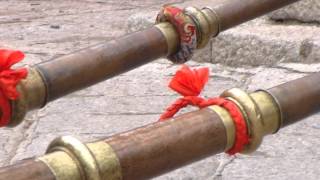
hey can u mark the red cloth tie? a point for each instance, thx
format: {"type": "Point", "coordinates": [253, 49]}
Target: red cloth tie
{"type": "Point", "coordinates": [189, 83]}
{"type": "Point", "coordinates": [185, 27]}
{"type": "Point", "coordinates": [9, 78]}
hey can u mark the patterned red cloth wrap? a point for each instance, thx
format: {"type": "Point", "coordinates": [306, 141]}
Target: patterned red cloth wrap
{"type": "Point", "coordinates": [186, 29]}
{"type": "Point", "coordinates": [189, 83]}
{"type": "Point", "coordinates": [9, 78]}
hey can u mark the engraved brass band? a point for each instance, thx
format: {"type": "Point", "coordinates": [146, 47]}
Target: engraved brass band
{"type": "Point", "coordinates": [261, 113]}
{"type": "Point", "coordinates": [32, 95]}
{"type": "Point", "coordinates": [207, 24]}
{"type": "Point", "coordinates": [253, 114]}
{"type": "Point", "coordinates": [269, 109]}
{"type": "Point", "coordinates": [228, 124]}
{"type": "Point", "coordinates": [69, 159]}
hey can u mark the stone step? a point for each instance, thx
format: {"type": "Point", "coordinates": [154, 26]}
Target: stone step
{"type": "Point", "coordinates": [258, 42]}
{"type": "Point", "coordinates": [305, 11]}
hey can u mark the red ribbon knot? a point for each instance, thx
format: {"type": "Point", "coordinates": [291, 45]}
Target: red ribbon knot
{"type": "Point", "coordinates": [189, 83]}
{"type": "Point", "coordinates": [9, 79]}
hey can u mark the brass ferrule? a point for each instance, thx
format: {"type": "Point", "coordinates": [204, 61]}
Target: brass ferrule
{"type": "Point", "coordinates": [228, 124]}
{"type": "Point", "coordinates": [261, 112]}
{"type": "Point", "coordinates": [70, 159]}
{"type": "Point", "coordinates": [171, 35]}
{"type": "Point", "coordinates": [207, 24]}
{"type": "Point", "coordinates": [32, 93]}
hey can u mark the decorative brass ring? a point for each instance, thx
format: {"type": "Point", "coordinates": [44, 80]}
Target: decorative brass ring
{"type": "Point", "coordinates": [19, 108]}
{"type": "Point", "coordinates": [276, 102]}
{"type": "Point", "coordinates": [203, 24]}
{"type": "Point", "coordinates": [80, 152]}
{"type": "Point", "coordinates": [228, 124]}
{"type": "Point", "coordinates": [244, 114]}
{"type": "Point", "coordinates": [32, 94]}
{"type": "Point", "coordinates": [213, 19]}
{"type": "Point", "coordinates": [171, 36]}
{"type": "Point", "coordinates": [254, 117]}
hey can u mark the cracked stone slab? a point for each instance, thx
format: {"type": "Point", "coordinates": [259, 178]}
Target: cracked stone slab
{"type": "Point", "coordinates": [305, 11]}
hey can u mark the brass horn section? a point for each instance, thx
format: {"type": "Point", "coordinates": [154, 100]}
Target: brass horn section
{"type": "Point", "coordinates": [69, 159]}
{"type": "Point", "coordinates": [261, 112]}
{"type": "Point", "coordinates": [46, 82]}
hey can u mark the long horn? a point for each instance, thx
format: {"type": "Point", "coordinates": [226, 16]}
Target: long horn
{"type": "Point", "coordinates": [161, 147]}
{"type": "Point", "coordinates": [53, 79]}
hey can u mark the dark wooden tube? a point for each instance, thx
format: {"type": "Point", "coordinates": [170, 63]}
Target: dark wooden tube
{"type": "Point", "coordinates": [94, 64]}
{"type": "Point", "coordinates": [161, 147]}
{"type": "Point", "coordinates": [233, 13]}
{"type": "Point", "coordinates": [147, 151]}
{"type": "Point", "coordinates": [298, 99]}
{"type": "Point", "coordinates": [27, 170]}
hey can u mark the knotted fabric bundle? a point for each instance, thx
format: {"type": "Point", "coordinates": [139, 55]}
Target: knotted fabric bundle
{"type": "Point", "coordinates": [9, 78]}
{"type": "Point", "coordinates": [189, 83]}
{"type": "Point", "coordinates": [186, 29]}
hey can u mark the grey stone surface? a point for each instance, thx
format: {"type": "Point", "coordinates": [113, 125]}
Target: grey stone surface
{"type": "Point", "coordinates": [138, 97]}
{"type": "Point", "coordinates": [305, 11]}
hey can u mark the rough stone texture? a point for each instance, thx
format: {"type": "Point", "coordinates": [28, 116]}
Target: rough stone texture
{"type": "Point", "coordinates": [305, 11]}
{"type": "Point", "coordinates": [259, 42]}
{"type": "Point", "coordinates": [46, 29]}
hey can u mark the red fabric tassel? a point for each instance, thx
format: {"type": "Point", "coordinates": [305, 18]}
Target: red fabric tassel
{"type": "Point", "coordinates": [9, 78]}
{"type": "Point", "coordinates": [189, 83]}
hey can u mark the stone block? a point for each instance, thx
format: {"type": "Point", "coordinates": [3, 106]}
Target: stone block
{"type": "Point", "coordinates": [305, 11]}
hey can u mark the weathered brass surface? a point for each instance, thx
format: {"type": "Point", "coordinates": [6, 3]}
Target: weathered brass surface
{"type": "Point", "coordinates": [62, 166]}
{"type": "Point", "coordinates": [244, 114]}
{"type": "Point", "coordinates": [69, 159]}
{"type": "Point", "coordinates": [171, 35]}
{"type": "Point", "coordinates": [261, 111]}
{"type": "Point", "coordinates": [229, 125]}
{"type": "Point", "coordinates": [254, 117]}
{"type": "Point", "coordinates": [107, 160]}
{"type": "Point", "coordinates": [213, 19]}
{"type": "Point", "coordinates": [82, 156]}
{"type": "Point", "coordinates": [202, 24]}
{"type": "Point", "coordinates": [207, 24]}
{"type": "Point", "coordinates": [269, 110]}
{"type": "Point", "coordinates": [32, 95]}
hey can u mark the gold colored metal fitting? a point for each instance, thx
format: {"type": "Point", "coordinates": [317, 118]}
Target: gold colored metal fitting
{"type": "Point", "coordinates": [205, 24]}
{"type": "Point", "coordinates": [94, 161]}
{"type": "Point", "coordinates": [254, 117]}
{"type": "Point", "coordinates": [243, 112]}
{"type": "Point", "coordinates": [32, 95]}
{"type": "Point", "coordinates": [263, 114]}
{"type": "Point", "coordinates": [228, 124]}
{"type": "Point", "coordinates": [269, 109]}
{"type": "Point", "coordinates": [213, 19]}
{"type": "Point", "coordinates": [171, 35]}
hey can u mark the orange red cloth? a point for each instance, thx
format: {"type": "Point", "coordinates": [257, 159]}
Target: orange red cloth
{"type": "Point", "coordinates": [9, 79]}
{"type": "Point", "coordinates": [189, 83]}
